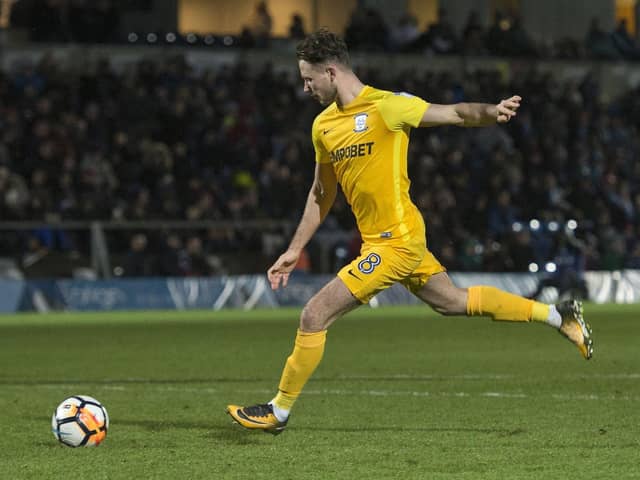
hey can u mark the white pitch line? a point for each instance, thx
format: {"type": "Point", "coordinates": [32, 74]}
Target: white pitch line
{"type": "Point", "coordinates": [335, 392]}
{"type": "Point", "coordinates": [437, 394]}
{"type": "Point", "coordinates": [479, 376]}
{"type": "Point", "coordinates": [373, 378]}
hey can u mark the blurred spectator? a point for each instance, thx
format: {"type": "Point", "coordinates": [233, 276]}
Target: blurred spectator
{"type": "Point", "coordinates": [220, 240]}
{"type": "Point", "coordinates": [521, 250]}
{"type": "Point", "coordinates": [196, 263]}
{"type": "Point", "coordinates": [404, 33]}
{"type": "Point", "coordinates": [566, 272]}
{"type": "Point", "coordinates": [171, 257]}
{"type": "Point", "coordinates": [441, 37]}
{"type": "Point", "coordinates": [20, 14]}
{"type": "Point", "coordinates": [519, 43]}
{"type": "Point", "coordinates": [623, 41]}
{"type": "Point", "coordinates": [497, 38]}
{"type": "Point", "coordinates": [296, 27]}
{"type": "Point", "coordinates": [366, 30]}
{"type": "Point", "coordinates": [613, 251]}
{"type": "Point", "coordinates": [471, 257]}
{"type": "Point", "coordinates": [507, 36]}
{"type": "Point", "coordinates": [260, 25]}
{"type": "Point", "coordinates": [41, 201]}
{"type": "Point", "coordinates": [14, 195]}
{"type": "Point", "coordinates": [501, 215]}
{"type": "Point", "coordinates": [473, 35]}
{"type": "Point", "coordinates": [599, 44]}
{"type": "Point", "coordinates": [139, 261]}
{"type": "Point", "coordinates": [34, 251]}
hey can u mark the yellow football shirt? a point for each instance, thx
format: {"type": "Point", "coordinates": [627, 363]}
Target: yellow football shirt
{"type": "Point", "coordinates": [366, 142]}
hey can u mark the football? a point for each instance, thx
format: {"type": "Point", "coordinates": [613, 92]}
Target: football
{"type": "Point", "coordinates": [80, 421]}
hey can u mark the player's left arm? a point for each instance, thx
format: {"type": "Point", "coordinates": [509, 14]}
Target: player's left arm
{"type": "Point", "coordinates": [471, 114]}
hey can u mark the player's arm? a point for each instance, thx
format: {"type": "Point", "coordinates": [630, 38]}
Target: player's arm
{"type": "Point", "coordinates": [319, 201]}
{"type": "Point", "coordinates": [471, 114]}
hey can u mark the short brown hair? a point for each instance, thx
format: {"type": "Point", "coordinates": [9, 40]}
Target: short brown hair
{"type": "Point", "coordinates": [323, 46]}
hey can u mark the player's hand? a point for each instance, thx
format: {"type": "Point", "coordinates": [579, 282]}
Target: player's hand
{"type": "Point", "coordinates": [279, 271]}
{"type": "Point", "coordinates": [507, 108]}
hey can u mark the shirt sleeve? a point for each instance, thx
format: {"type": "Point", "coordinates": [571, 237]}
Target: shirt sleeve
{"type": "Point", "coordinates": [322, 156]}
{"type": "Point", "coordinates": [401, 110]}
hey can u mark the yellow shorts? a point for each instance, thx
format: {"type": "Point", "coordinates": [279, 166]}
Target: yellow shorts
{"type": "Point", "coordinates": [381, 265]}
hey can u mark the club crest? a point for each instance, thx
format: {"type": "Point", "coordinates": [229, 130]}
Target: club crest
{"type": "Point", "coordinates": [360, 122]}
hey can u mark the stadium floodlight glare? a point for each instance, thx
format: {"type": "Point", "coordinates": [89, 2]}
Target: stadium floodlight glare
{"type": "Point", "coordinates": [572, 224]}
{"type": "Point", "coordinates": [516, 226]}
{"type": "Point", "coordinates": [553, 226]}
{"type": "Point", "coordinates": [132, 37]}
{"type": "Point", "coordinates": [533, 267]}
{"type": "Point", "coordinates": [170, 37]}
{"type": "Point", "coordinates": [550, 267]}
{"type": "Point", "coordinates": [534, 224]}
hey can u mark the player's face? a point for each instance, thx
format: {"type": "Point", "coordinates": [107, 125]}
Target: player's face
{"type": "Point", "coordinates": [318, 81]}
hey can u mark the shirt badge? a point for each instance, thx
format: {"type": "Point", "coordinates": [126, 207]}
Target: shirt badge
{"type": "Point", "coordinates": [360, 122]}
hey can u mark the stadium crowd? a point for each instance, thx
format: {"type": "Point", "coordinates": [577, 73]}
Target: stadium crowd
{"type": "Point", "coordinates": [162, 140]}
{"type": "Point", "coordinates": [82, 21]}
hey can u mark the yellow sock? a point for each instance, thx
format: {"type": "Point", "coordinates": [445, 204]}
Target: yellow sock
{"type": "Point", "coordinates": [501, 305]}
{"type": "Point", "coordinates": [540, 312]}
{"type": "Point", "coordinates": [302, 362]}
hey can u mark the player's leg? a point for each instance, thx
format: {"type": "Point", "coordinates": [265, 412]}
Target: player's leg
{"type": "Point", "coordinates": [378, 267]}
{"type": "Point", "coordinates": [432, 285]}
{"type": "Point", "coordinates": [446, 298]}
{"type": "Point", "coordinates": [331, 302]}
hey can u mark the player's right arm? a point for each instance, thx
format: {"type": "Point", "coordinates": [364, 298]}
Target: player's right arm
{"type": "Point", "coordinates": [471, 114]}
{"type": "Point", "coordinates": [319, 201]}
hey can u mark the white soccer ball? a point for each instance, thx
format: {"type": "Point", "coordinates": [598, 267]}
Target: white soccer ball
{"type": "Point", "coordinates": [80, 421]}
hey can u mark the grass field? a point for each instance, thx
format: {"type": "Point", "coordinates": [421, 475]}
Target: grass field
{"type": "Point", "coordinates": [402, 393]}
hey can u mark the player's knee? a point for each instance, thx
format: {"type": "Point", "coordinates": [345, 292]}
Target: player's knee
{"type": "Point", "coordinates": [312, 320]}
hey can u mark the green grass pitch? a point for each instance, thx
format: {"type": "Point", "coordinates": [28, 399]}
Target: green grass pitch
{"type": "Point", "coordinates": [402, 393]}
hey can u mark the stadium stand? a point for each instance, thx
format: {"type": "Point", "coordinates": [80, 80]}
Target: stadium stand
{"type": "Point", "coordinates": [163, 139]}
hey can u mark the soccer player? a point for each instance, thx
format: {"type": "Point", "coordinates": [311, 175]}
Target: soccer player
{"type": "Point", "coordinates": [361, 141]}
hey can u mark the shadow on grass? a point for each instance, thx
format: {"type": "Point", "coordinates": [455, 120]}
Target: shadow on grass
{"type": "Point", "coordinates": [235, 431]}
{"type": "Point", "coordinates": [228, 432]}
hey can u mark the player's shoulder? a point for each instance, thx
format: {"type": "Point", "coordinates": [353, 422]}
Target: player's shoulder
{"type": "Point", "coordinates": [396, 94]}
{"type": "Point", "coordinates": [390, 99]}
{"type": "Point", "coordinates": [376, 94]}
